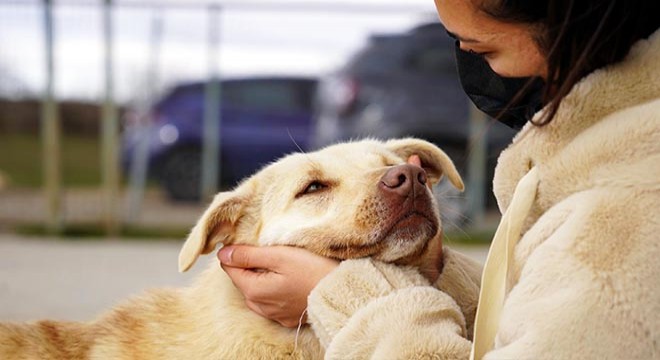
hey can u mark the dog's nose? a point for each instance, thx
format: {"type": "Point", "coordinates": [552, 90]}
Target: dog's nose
{"type": "Point", "coordinates": [402, 179]}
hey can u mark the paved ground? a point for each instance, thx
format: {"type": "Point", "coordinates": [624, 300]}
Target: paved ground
{"type": "Point", "coordinates": [75, 280]}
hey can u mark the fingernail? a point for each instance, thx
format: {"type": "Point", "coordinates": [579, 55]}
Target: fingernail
{"type": "Point", "coordinates": [225, 254]}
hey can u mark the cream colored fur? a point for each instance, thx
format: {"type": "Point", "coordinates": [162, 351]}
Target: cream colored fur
{"type": "Point", "coordinates": [585, 275]}
{"type": "Point", "coordinates": [209, 320]}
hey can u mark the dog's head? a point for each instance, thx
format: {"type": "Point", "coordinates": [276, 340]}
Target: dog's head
{"type": "Point", "coordinates": [350, 200]}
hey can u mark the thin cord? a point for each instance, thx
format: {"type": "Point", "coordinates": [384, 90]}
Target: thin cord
{"type": "Point", "coordinates": [300, 324]}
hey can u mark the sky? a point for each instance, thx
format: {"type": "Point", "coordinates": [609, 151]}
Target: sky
{"type": "Point", "coordinates": [310, 37]}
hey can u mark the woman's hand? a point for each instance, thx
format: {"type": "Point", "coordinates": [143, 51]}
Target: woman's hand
{"type": "Point", "coordinates": [275, 280]}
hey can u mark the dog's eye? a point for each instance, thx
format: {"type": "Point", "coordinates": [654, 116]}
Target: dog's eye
{"type": "Point", "coordinates": [313, 187]}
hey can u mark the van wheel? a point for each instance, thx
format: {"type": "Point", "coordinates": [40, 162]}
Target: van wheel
{"type": "Point", "coordinates": [181, 174]}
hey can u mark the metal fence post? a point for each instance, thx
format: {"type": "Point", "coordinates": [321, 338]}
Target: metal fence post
{"type": "Point", "coordinates": [140, 158]}
{"type": "Point", "coordinates": [51, 132]}
{"type": "Point", "coordinates": [210, 162]}
{"type": "Point", "coordinates": [476, 195]}
{"type": "Point", "coordinates": [109, 132]}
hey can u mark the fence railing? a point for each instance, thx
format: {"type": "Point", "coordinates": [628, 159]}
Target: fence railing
{"type": "Point", "coordinates": [50, 123]}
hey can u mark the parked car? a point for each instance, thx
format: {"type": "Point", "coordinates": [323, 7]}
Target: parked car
{"type": "Point", "coordinates": [262, 119]}
{"type": "Point", "coordinates": [402, 85]}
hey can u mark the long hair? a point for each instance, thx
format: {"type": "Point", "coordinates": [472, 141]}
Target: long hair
{"type": "Point", "coordinates": [576, 36]}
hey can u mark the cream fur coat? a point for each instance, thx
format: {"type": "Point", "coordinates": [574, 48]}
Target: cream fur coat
{"type": "Point", "coordinates": [585, 276]}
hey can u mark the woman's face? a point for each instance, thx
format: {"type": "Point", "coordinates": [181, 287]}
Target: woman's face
{"type": "Point", "coordinates": [508, 48]}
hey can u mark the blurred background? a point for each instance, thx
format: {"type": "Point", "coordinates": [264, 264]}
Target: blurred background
{"type": "Point", "coordinates": [120, 119]}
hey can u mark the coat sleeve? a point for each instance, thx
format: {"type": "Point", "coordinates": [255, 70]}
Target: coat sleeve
{"type": "Point", "coordinates": [583, 289]}
{"type": "Point", "coordinates": [368, 309]}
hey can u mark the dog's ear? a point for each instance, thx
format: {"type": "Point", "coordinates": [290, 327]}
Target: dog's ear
{"type": "Point", "coordinates": [217, 225]}
{"type": "Point", "coordinates": [434, 161]}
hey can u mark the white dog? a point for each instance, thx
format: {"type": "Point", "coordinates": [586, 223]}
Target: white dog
{"type": "Point", "coordinates": [346, 201]}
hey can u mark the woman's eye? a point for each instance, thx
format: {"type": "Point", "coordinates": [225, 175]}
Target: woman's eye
{"type": "Point", "coordinates": [313, 187]}
{"type": "Point", "coordinates": [482, 54]}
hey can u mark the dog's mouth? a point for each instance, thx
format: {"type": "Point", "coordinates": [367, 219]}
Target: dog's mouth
{"type": "Point", "coordinates": [408, 234]}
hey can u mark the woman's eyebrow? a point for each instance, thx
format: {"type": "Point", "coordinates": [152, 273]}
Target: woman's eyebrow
{"type": "Point", "coordinates": [461, 39]}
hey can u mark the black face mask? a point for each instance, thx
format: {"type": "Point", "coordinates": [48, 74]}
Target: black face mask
{"type": "Point", "coordinates": [492, 93]}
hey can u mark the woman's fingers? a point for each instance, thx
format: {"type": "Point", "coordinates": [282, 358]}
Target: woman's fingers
{"type": "Point", "coordinates": [251, 283]}
{"type": "Point", "coordinates": [247, 257]}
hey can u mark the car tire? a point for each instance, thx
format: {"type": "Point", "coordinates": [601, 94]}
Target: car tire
{"type": "Point", "coordinates": [180, 174]}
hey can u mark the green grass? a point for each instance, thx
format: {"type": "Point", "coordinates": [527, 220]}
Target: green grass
{"type": "Point", "coordinates": [469, 237]}
{"type": "Point", "coordinates": [94, 231]}
{"type": "Point", "coordinates": [21, 160]}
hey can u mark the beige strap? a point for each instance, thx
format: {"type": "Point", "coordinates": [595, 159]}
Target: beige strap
{"type": "Point", "coordinates": [493, 280]}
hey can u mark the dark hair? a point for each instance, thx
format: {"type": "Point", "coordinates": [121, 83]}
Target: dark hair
{"type": "Point", "coordinates": [577, 36]}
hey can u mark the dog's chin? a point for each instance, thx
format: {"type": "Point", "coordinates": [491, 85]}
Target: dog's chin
{"type": "Point", "coordinates": [407, 239]}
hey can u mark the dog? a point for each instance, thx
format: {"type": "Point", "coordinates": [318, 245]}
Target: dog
{"type": "Point", "coordinates": [366, 198]}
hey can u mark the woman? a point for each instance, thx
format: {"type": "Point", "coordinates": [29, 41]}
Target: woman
{"type": "Point", "coordinates": [572, 272]}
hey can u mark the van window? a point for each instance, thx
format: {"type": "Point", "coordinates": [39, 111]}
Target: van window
{"type": "Point", "coordinates": [264, 96]}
